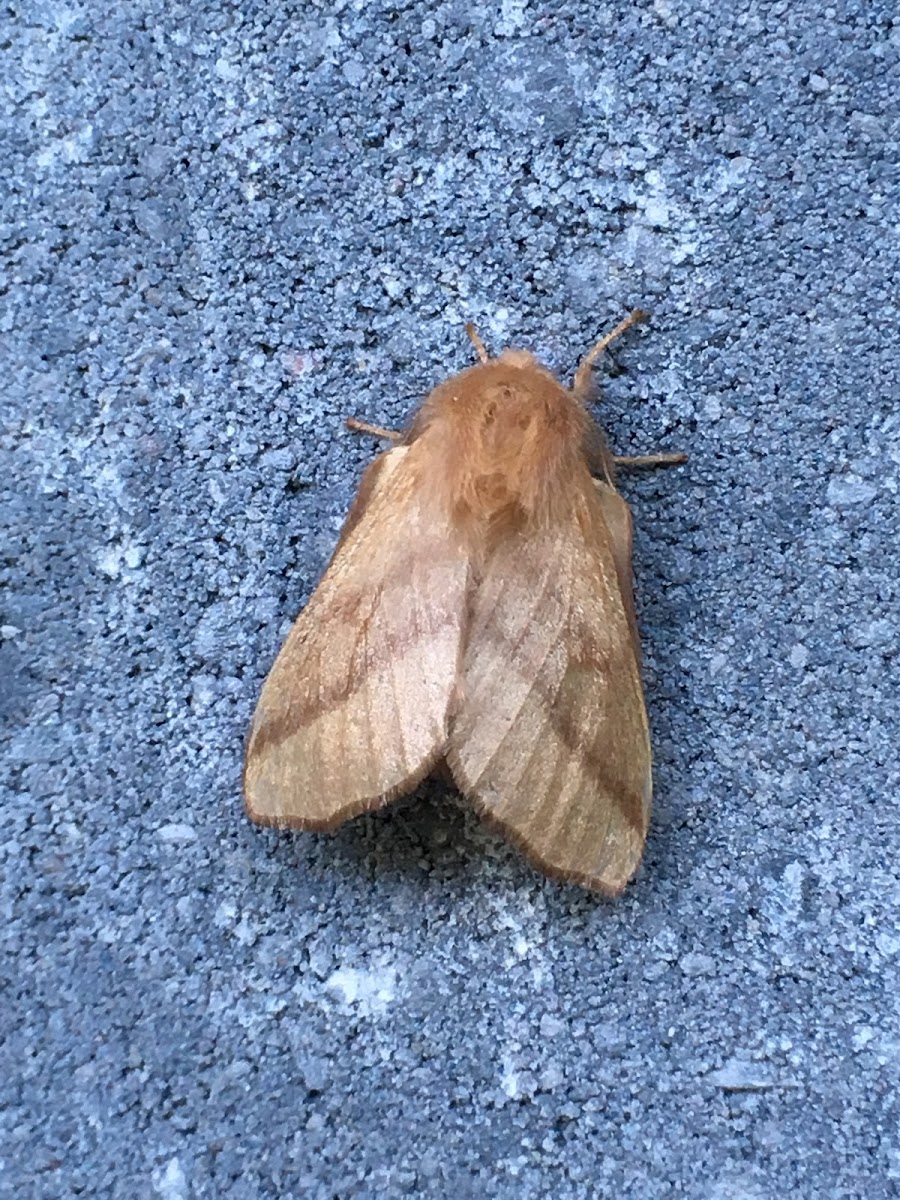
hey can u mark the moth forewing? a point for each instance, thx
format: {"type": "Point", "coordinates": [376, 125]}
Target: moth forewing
{"type": "Point", "coordinates": [354, 710]}
{"type": "Point", "coordinates": [552, 740]}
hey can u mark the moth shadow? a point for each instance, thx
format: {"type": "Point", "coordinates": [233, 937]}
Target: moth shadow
{"type": "Point", "coordinates": [433, 837]}
{"type": "Point", "coordinates": [430, 833]}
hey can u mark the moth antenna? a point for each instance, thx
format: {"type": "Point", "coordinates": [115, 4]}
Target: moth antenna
{"type": "Point", "coordinates": [374, 430]}
{"type": "Point", "coordinates": [650, 460]}
{"type": "Point", "coordinates": [477, 342]}
{"type": "Point", "coordinates": [581, 386]}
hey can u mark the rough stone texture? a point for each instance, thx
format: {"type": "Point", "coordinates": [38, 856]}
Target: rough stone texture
{"type": "Point", "coordinates": [225, 228]}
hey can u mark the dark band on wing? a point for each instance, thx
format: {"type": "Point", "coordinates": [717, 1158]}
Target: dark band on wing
{"type": "Point", "coordinates": [334, 689]}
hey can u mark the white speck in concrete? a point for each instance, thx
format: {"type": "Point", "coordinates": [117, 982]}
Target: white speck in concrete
{"type": "Point", "coordinates": [170, 1181]}
{"type": "Point", "coordinates": [846, 490]}
{"type": "Point", "coordinates": [369, 991]}
{"type": "Point", "coordinates": [176, 834]}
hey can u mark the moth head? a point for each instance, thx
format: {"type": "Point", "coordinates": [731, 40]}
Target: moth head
{"type": "Point", "coordinates": [522, 360]}
{"type": "Point", "coordinates": [518, 360]}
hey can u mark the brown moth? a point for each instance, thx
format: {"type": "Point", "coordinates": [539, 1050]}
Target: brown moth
{"type": "Point", "coordinates": [477, 612]}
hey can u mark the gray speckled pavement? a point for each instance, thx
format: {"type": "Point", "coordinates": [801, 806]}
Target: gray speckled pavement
{"type": "Point", "coordinates": [224, 229]}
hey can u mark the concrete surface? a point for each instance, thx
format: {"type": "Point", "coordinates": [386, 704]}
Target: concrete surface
{"type": "Point", "coordinates": [225, 228]}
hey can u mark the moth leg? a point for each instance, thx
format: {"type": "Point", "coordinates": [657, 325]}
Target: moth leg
{"type": "Point", "coordinates": [582, 384]}
{"type": "Point", "coordinates": [476, 341]}
{"type": "Point", "coordinates": [649, 460]}
{"type": "Point", "coordinates": [375, 430]}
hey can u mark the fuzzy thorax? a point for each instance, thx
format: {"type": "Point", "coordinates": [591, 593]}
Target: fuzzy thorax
{"type": "Point", "coordinates": [505, 443]}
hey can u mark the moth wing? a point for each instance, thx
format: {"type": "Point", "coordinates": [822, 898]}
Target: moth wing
{"type": "Point", "coordinates": [551, 741]}
{"type": "Point", "coordinates": [617, 518]}
{"type": "Point", "coordinates": [355, 708]}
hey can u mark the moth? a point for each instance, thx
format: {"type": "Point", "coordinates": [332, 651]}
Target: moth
{"type": "Point", "coordinates": [478, 614]}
